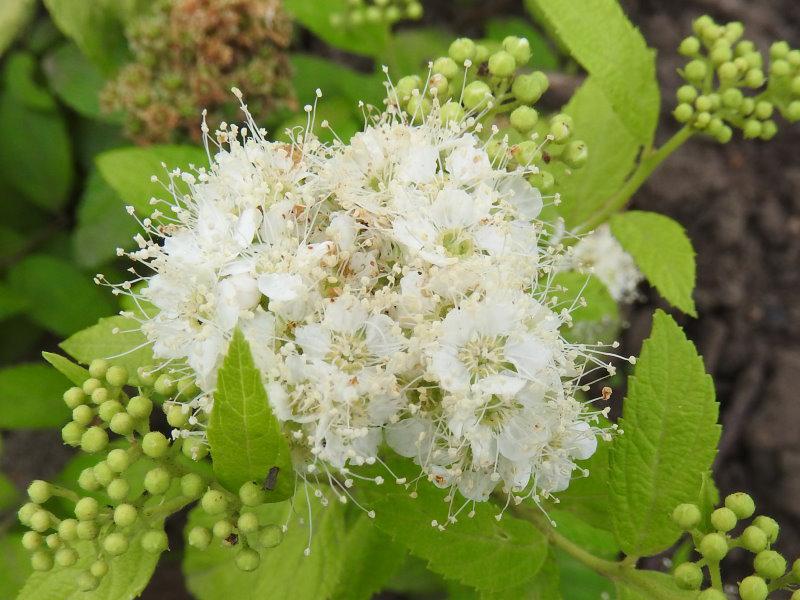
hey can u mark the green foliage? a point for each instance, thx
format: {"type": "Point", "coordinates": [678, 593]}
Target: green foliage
{"type": "Point", "coordinates": [118, 337]}
{"type": "Point", "coordinates": [662, 251]}
{"type": "Point", "coordinates": [336, 82]}
{"type": "Point", "coordinates": [245, 437]}
{"type": "Point", "coordinates": [670, 437]}
{"type": "Point", "coordinates": [284, 571]}
{"type": "Point", "coordinates": [588, 497]}
{"type": "Point", "coordinates": [598, 317]}
{"type": "Point", "coordinates": [652, 580]}
{"type": "Point", "coordinates": [129, 170]}
{"type": "Point", "coordinates": [75, 373]}
{"type": "Point", "coordinates": [58, 296]}
{"type": "Point", "coordinates": [74, 79]}
{"type": "Point", "coordinates": [14, 565]}
{"type": "Point", "coordinates": [411, 49]}
{"type": "Point", "coordinates": [30, 397]}
{"type": "Point", "coordinates": [14, 15]}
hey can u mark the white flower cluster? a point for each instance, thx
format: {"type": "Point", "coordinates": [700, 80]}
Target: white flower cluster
{"type": "Point", "coordinates": [602, 253]}
{"type": "Point", "coordinates": [395, 288]}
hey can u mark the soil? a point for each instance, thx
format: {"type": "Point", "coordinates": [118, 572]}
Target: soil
{"type": "Point", "coordinates": [740, 204]}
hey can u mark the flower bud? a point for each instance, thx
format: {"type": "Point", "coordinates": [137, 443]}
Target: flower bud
{"type": "Point", "coordinates": [418, 107]}
{"type": "Point", "coordinates": [461, 50]}
{"type": "Point", "coordinates": [795, 595]}
{"type": "Point", "coordinates": [32, 540]}
{"type": "Point", "coordinates": [247, 559]}
{"type": "Point", "coordinates": [39, 491]}
{"type": "Point", "coordinates": [476, 94]}
{"type": "Point", "coordinates": [103, 473]}
{"type": "Point", "coordinates": [728, 72]}
{"type": "Point", "coordinates": [529, 88]}
{"type": "Point", "coordinates": [753, 588]}
{"type": "Point", "coordinates": [83, 415]}
{"type": "Point", "coordinates": [41, 560]}
{"type": "Point", "coordinates": [451, 112]}
{"type": "Point", "coordinates": [711, 594]}
{"type": "Point", "coordinates": [87, 509]}
{"type": "Point", "coordinates": [780, 68]}
{"type": "Point", "coordinates": [71, 433]}
{"type": "Point", "coordinates": [683, 112]}
{"type": "Point", "coordinates": [154, 541]}
{"type": "Point", "coordinates": [86, 530]}
{"type": "Point", "coordinates": [406, 85]}
{"type": "Point", "coordinates": [689, 46]}
{"type": "Point", "coordinates": [156, 481]}
{"type": "Point", "coordinates": [723, 519]}
{"type": "Point", "coordinates": [87, 582]}
{"type": "Point", "coordinates": [98, 368]}
{"type": "Point", "coordinates": [108, 409]}
{"type": "Point", "coordinates": [769, 564]}
{"type": "Point", "coordinates": [194, 448]}
{"type": "Point", "coordinates": [214, 502]}
{"type": "Point", "coordinates": [40, 521]}
{"type": "Point", "coordinates": [177, 417]}
{"type": "Point", "coordinates": [222, 529]}
{"type": "Point", "coordinates": [502, 64]}
{"type": "Point", "coordinates": [53, 541]}
{"type": "Point", "coordinates": [99, 568]}
{"type": "Point", "coordinates": [146, 375]}
{"type": "Point", "coordinates": [251, 494]}
{"type": "Point", "coordinates": [576, 154]}
{"type": "Point", "coordinates": [66, 557]}
{"type": "Point", "coordinates": [87, 481]}
{"type": "Point", "coordinates": [165, 385]}
{"type": "Point", "coordinates": [754, 78]}
{"type": "Point", "coordinates": [115, 544]}
{"type": "Point", "coordinates": [90, 385]}
{"type": "Point", "coordinates": [793, 58]}
{"type": "Point", "coordinates": [94, 440]}
{"type": "Point", "coordinates": [794, 87]}
{"type": "Point", "coordinates": [686, 516]}
{"type": "Point", "coordinates": [687, 93]}
{"type": "Point", "coordinates": [74, 396]}
{"type": "Point", "coordinates": [125, 515]}
{"type": "Point", "coordinates": [122, 424]}
{"type": "Point", "coordinates": [769, 526]}
{"type": "Point", "coordinates": [199, 537]}
{"type": "Point", "coordinates": [100, 395]}
{"type": "Point", "coordinates": [140, 407]}
{"type": "Point", "coordinates": [713, 547]}
{"type": "Point", "coordinates": [695, 70]}
{"type": "Point", "coordinates": [561, 127]}
{"type": "Point", "coordinates": [438, 86]}
{"type": "Point", "coordinates": [155, 444]}
{"type": "Point", "coordinates": [523, 118]}
{"type": "Point", "coordinates": [270, 536]}
{"type": "Point", "coordinates": [793, 111]}
{"type": "Point", "coordinates": [446, 66]}
{"type": "Point", "coordinates": [752, 128]}
{"type": "Point", "coordinates": [118, 489]}
{"type": "Point", "coordinates": [753, 539]}
{"type": "Point", "coordinates": [703, 103]}
{"type": "Point", "coordinates": [688, 576]}
{"type": "Point", "coordinates": [778, 50]}
{"type": "Point", "coordinates": [768, 129]}
{"type": "Point", "coordinates": [481, 54]}
{"type": "Point", "coordinates": [519, 48]}
{"type": "Point", "coordinates": [118, 460]}
{"type": "Point", "coordinates": [192, 485]}
{"type": "Point", "coordinates": [247, 522]}
{"type": "Point", "coordinates": [732, 98]}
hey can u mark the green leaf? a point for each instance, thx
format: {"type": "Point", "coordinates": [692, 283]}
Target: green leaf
{"type": "Point", "coordinates": [41, 145]}
{"type": "Point", "coordinates": [9, 496]}
{"type": "Point", "coordinates": [128, 171]}
{"type": "Point", "coordinates": [75, 373]}
{"type": "Point", "coordinates": [30, 397]}
{"type": "Point", "coordinates": [244, 436]}
{"type": "Point", "coordinates": [481, 552]}
{"type": "Point", "coordinates": [75, 80]}
{"type": "Point", "coordinates": [599, 316]}
{"type": "Point", "coordinates": [127, 576]}
{"type": "Point", "coordinates": [19, 77]}
{"type": "Point", "coordinates": [542, 55]}
{"type": "Point", "coordinates": [14, 16]}
{"type": "Point", "coordinates": [59, 297]}
{"type": "Point", "coordinates": [103, 224]}
{"type": "Point", "coordinates": [652, 580]}
{"type": "Point", "coordinates": [670, 439]}
{"type": "Point", "coordinates": [412, 49]}
{"type": "Point", "coordinates": [335, 80]}
{"type": "Point", "coordinates": [371, 560]}
{"type": "Point", "coordinates": [368, 39]}
{"type": "Point", "coordinates": [602, 39]}
{"type": "Point", "coordinates": [662, 251]}
{"type": "Point", "coordinates": [284, 572]}
{"type": "Point", "coordinates": [96, 27]}
{"type": "Point", "coordinates": [117, 339]}
{"type": "Point", "coordinates": [15, 565]}
{"type": "Point", "coordinates": [579, 582]}
{"type": "Point", "coordinates": [11, 302]}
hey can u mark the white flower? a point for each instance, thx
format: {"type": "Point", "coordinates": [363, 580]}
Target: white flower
{"type": "Point", "coordinates": [602, 254]}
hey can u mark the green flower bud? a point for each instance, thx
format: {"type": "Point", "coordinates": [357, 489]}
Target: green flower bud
{"type": "Point", "coordinates": [418, 107]}
{"type": "Point", "coordinates": [98, 368]}
{"type": "Point", "coordinates": [251, 494]}
{"type": "Point", "coordinates": [502, 64]}
{"type": "Point", "coordinates": [476, 94]}
{"type": "Point", "coordinates": [795, 595]}
{"type": "Point", "coordinates": [68, 530]}
{"type": "Point", "coordinates": [687, 93]}
{"type": "Point", "coordinates": [701, 23]}
{"type": "Point", "coordinates": [752, 128]}
{"type": "Point", "coordinates": [177, 417]}
{"type": "Point", "coordinates": [523, 118]}
{"type": "Point", "coordinates": [769, 526]}
{"type": "Point", "coordinates": [723, 519]}
{"type": "Point", "coordinates": [481, 54]}
{"type": "Point", "coordinates": [26, 511]}
{"type": "Point", "coordinates": [683, 112]}
{"type": "Point", "coordinates": [727, 72]}
{"type": "Point", "coordinates": [720, 54]}
{"type": "Point", "coordinates": [711, 594]}
{"type": "Point", "coordinates": [118, 460]}
{"type": "Point", "coordinates": [769, 564]}
{"type": "Point", "coordinates": [165, 385]}
{"type": "Point", "coordinates": [99, 568]}
{"type": "Point", "coordinates": [125, 515]}
{"type": "Point", "coordinates": [446, 66]}
{"type": "Point", "coordinates": [87, 509]}
{"type": "Point", "coordinates": [108, 409]}
{"type": "Point", "coordinates": [793, 58]}
{"type": "Point", "coordinates": [779, 50]}
{"type": "Point", "coordinates": [561, 127]}
{"type": "Point", "coordinates": [745, 47]}
{"type": "Point", "coordinates": [87, 582]}
{"type": "Point", "coordinates": [695, 70]}
{"type": "Point", "coordinates": [768, 129]}
{"type": "Point", "coordinates": [40, 521]}
{"type": "Point", "coordinates": [406, 85]}
{"type": "Point", "coordinates": [41, 560]}
{"type": "Point", "coordinates": [461, 50]}
{"type": "Point", "coordinates": [100, 395]}
{"type": "Point", "coordinates": [199, 537]}
{"type": "Point", "coordinates": [247, 559]}
{"type": "Point", "coordinates": [703, 103]}
{"type": "Point", "coordinates": [155, 541]}
{"type": "Point", "coordinates": [146, 375]}
{"type": "Point", "coordinates": [526, 153]}
{"type": "Point", "coordinates": [247, 523]}
{"type": "Point", "coordinates": [194, 448]}
{"type": "Point", "coordinates": [438, 86]}
{"type": "Point", "coordinates": [74, 396]}
{"type": "Point", "coordinates": [94, 440]}
{"type": "Point", "coordinates": [754, 78]}
{"type": "Point", "coordinates": [414, 10]}
{"type": "Point", "coordinates": [270, 536]}
{"type": "Point", "coordinates": [576, 154]}
{"type": "Point", "coordinates": [86, 530]}
{"type": "Point", "coordinates": [140, 407]}
{"type": "Point", "coordinates": [87, 481]}
{"type": "Point", "coordinates": [122, 424]}
{"type": "Point", "coordinates": [794, 87]}
{"type": "Point", "coordinates": [103, 473]}
{"type": "Point", "coordinates": [115, 544]}
{"type": "Point", "coordinates": [451, 112]}
{"type": "Point", "coordinates": [796, 569]}
{"type": "Point", "coordinates": [156, 481]}
{"type": "Point", "coordinates": [32, 540]}
{"type": "Point", "coordinates": [713, 547]}
{"type": "Point", "coordinates": [753, 588]}
{"type": "Point", "coordinates": [222, 529]}
{"type": "Point", "coordinates": [39, 491]}
{"type": "Point", "coordinates": [90, 385]}
{"type": "Point", "coordinates": [155, 444]}
{"type": "Point", "coordinates": [755, 61]}
{"type": "Point", "coordinates": [53, 541]}
{"type": "Point", "coordinates": [519, 48]}
{"type": "Point", "coordinates": [793, 111]}
{"type": "Point", "coordinates": [753, 539]}
{"type": "Point", "coordinates": [192, 485]}
{"type": "Point", "coordinates": [689, 46]}
{"type": "Point", "coordinates": [214, 502]}
{"type": "Point", "coordinates": [543, 180]}
{"type": "Point", "coordinates": [529, 88]}
{"type": "Point", "coordinates": [688, 576]}
{"type": "Point", "coordinates": [71, 433]}
{"type": "Point", "coordinates": [734, 30]}
{"type": "Point", "coordinates": [780, 68]}
{"type": "Point", "coordinates": [747, 107]}
{"type": "Point", "coordinates": [118, 489]}
{"type": "Point", "coordinates": [732, 98]}
{"type": "Point", "coordinates": [82, 415]}
{"type": "Point", "coordinates": [66, 557]}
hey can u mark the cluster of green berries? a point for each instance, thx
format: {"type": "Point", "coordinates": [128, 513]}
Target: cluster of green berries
{"type": "Point", "coordinates": [237, 525]}
{"type": "Point", "coordinates": [489, 81]}
{"type": "Point", "coordinates": [714, 537]}
{"type": "Point", "coordinates": [358, 12]}
{"type": "Point", "coordinates": [722, 67]}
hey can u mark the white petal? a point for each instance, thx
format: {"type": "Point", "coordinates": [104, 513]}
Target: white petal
{"type": "Point", "coordinates": [283, 287]}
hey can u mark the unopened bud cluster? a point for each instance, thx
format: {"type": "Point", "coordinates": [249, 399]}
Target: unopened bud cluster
{"type": "Point", "coordinates": [717, 533]}
{"type": "Point", "coordinates": [359, 12]}
{"type": "Point", "coordinates": [188, 55]}
{"type": "Point", "coordinates": [721, 71]}
{"type": "Point", "coordinates": [143, 478]}
{"type": "Point", "coordinates": [487, 83]}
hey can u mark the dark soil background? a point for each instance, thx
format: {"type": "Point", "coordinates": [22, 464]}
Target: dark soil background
{"type": "Point", "coordinates": [740, 204]}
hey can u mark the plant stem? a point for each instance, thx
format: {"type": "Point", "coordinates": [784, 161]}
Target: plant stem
{"type": "Point", "coordinates": [167, 508]}
{"type": "Point", "coordinates": [716, 576]}
{"type": "Point", "coordinates": [647, 165]}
